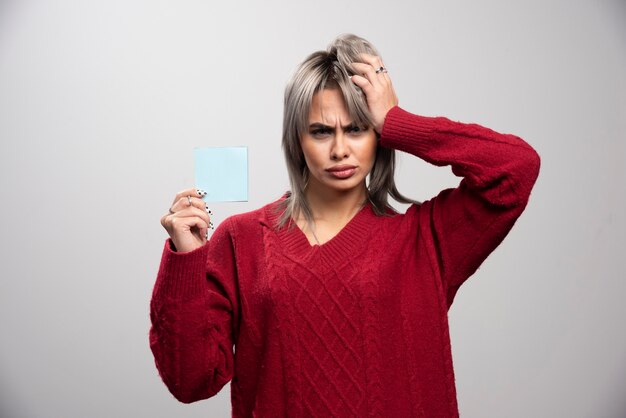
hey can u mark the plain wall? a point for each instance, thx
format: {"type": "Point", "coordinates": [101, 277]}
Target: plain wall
{"type": "Point", "coordinates": [101, 104]}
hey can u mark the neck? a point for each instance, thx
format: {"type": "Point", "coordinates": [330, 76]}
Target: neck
{"type": "Point", "coordinates": [335, 206]}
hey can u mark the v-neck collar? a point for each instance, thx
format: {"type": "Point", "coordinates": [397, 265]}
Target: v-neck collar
{"type": "Point", "coordinates": [351, 237]}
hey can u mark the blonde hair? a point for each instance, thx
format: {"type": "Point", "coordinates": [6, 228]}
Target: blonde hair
{"type": "Point", "coordinates": [331, 69]}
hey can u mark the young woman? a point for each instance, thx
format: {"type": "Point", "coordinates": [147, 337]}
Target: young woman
{"type": "Point", "coordinates": [327, 302]}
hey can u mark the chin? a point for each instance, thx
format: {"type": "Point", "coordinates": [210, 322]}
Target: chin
{"type": "Point", "coordinates": [344, 185]}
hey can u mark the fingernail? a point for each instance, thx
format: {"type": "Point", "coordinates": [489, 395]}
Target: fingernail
{"type": "Point", "coordinates": [200, 192]}
{"type": "Point", "coordinates": [207, 234]}
{"type": "Point", "coordinates": [206, 207]}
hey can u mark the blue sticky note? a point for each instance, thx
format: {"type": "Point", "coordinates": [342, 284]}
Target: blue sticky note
{"type": "Point", "coordinates": [222, 172]}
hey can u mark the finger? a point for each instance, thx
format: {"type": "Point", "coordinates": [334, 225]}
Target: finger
{"type": "Point", "coordinates": [188, 201]}
{"type": "Point", "coordinates": [373, 60]}
{"type": "Point", "coordinates": [181, 227]}
{"type": "Point", "coordinates": [377, 63]}
{"type": "Point", "coordinates": [190, 212]}
{"type": "Point", "coordinates": [199, 193]}
{"type": "Point", "coordinates": [377, 79]}
{"type": "Point", "coordinates": [363, 83]}
{"type": "Point", "coordinates": [185, 223]}
{"type": "Point", "coordinates": [367, 71]}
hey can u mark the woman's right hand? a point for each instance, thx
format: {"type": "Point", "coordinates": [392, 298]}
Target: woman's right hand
{"type": "Point", "coordinates": [187, 221]}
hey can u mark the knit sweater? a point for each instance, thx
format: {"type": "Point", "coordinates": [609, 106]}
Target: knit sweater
{"type": "Point", "coordinates": [357, 326]}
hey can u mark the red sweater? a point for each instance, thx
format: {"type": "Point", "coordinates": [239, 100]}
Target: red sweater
{"type": "Point", "coordinates": [357, 326]}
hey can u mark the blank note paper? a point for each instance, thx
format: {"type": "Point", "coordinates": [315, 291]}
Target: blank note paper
{"type": "Point", "coordinates": [222, 172]}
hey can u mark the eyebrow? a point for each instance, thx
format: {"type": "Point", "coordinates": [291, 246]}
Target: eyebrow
{"type": "Point", "coordinates": [318, 125]}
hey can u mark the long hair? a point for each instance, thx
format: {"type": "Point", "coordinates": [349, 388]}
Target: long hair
{"type": "Point", "coordinates": [324, 70]}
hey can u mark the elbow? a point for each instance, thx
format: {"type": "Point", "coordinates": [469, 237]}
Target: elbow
{"type": "Point", "coordinates": [512, 187]}
{"type": "Point", "coordinates": [194, 360]}
{"type": "Point", "coordinates": [183, 376]}
{"type": "Point", "coordinates": [533, 164]}
{"type": "Point", "coordinates": [187, 390]}
{"type": "Point", "coordinates": [529, 172]}
{"type": "Point", "coordinates": [181, 380]}
{"type": "Point", "coordinates": [523, 165]}
{"type": "Point", "coordinates": [201, 390]}
{"type": "Point", "coordinates": [180, 395]}
{"type": "Point", "coordinates": [185, 396]}
{"type": "Point", "coordinates": [522, 177]}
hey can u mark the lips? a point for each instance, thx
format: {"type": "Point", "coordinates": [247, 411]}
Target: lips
{"type": "Point", "coordinates": [342, 171]}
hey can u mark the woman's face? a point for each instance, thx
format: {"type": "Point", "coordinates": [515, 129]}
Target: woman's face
{"type": "Point", "coordinates": [338, 153]}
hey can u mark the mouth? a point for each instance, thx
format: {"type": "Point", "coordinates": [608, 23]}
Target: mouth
{"type": "Point", "coordinates": [342, 171]}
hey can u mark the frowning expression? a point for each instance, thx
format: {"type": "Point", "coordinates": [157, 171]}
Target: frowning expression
{"type": "Point", "coordinates": [338, 153]}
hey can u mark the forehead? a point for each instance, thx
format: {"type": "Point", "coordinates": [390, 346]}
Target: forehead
{"type": "Point", "coordinates": [328, 106]}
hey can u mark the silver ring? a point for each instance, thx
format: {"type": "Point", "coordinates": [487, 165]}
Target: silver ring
{"type": "Point", "coordinates": [381, 70]}
{"type": "Point", "coordinates": [189, 200]}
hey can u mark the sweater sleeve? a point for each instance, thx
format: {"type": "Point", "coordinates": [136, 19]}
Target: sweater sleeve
{"type": "Point", "coordinates": [467, 223]}
{"type": "Point", "coordinates": [194, 312]}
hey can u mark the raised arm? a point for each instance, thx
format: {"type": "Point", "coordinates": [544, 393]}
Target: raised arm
{"type": "Point", "coordinates": [468, 222]}
{"type": "Point", "coordinates": [462, 225]}
{"type": "Point", "coordinates": [194, 314]}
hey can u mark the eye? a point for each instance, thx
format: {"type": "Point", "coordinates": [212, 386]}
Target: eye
{"type": "Point", "coordinates": [319, 132]}
{"type": "Point", "coordinates": [354, 129]}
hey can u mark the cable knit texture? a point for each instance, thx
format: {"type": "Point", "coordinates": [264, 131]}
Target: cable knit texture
{"type": "Point", "coordinates": [358, 326]}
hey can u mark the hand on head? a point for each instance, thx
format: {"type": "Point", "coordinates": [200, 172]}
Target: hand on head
{"type": "Point", "coordinates": [372, 77]}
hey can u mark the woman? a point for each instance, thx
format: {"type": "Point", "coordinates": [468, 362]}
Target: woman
{"type": "Point", "coordinates": [336, 304]}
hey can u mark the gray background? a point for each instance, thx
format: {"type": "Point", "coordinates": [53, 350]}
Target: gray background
{"type": "Point", "coordinates": [102, 102]}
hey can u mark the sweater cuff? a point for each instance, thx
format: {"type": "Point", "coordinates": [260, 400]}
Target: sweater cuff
{"type": "Point", "coordinates": [181, 275]}
{"type": "Point", "coordinates": [405, 131]}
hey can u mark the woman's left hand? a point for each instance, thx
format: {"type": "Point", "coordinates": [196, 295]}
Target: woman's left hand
{"type": "Point", "coordinates": [373, 79]}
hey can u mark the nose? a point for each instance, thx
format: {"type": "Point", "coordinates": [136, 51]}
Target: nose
{"type": "Point", "coordinates": [340, 149]}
